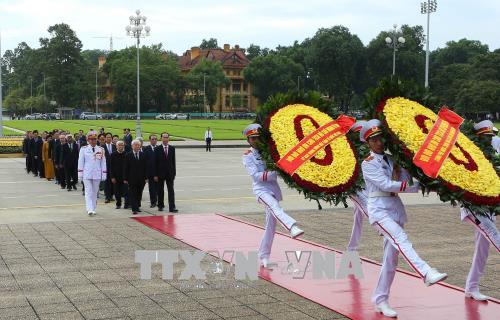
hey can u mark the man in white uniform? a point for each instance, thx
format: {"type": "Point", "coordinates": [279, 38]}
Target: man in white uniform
{"type": "Point", "coordinates": [486, 231]}
{"type": "Point", "coordinates": [268, 193]}
{"type": "Point", "coordinates": [92, 170]}
{"type": "Point", "coordinates": [359, 200]}
{"type": "Point", "coordinates": [384, 180]}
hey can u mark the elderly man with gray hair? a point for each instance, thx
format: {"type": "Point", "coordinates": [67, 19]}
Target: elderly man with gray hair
{"type": "Point", "coordinates": [117, 163]}
{"type": "Point", "coordinates": [135, 175]}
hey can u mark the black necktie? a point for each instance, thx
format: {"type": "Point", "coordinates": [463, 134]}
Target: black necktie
{"type": "Point", "coordinates": [93, 150]}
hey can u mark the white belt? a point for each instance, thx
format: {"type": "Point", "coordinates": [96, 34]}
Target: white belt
{"type": "Point", "coordinates": [381, 194]}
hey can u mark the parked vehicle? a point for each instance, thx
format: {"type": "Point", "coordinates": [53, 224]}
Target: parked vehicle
{"type": "Point", "coordinates": [166, 116]}
{"type": "Point", "coordinates": [109, 116]}
{"type": "Point", "coordinates": [180, 116]}
{"type": "Point", "coordinates": [88, 116]}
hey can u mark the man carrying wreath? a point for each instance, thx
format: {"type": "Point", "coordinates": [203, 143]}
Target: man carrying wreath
{"type": "Point", "coordinates": [268, 193]}
{"type": "Point", "coordinates": [384, 180]}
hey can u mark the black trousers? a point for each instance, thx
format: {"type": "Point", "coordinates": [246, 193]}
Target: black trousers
{"type": "Point", "coordinates": [153, 191]}
{"type": "Point", "coordinates": [121, 190]}
{"type": "Point", "coordinates": [208, 144]}
{"type": "Point", "coordinates": [161, 193]}
{"type": "Point", "coordinates": [28, 163]}
{"type": "Point", "coordinates": [135, 195]}
{"type": "Point", "coordinates": [35, 165]}
{"type": "Point", "coordinates": [71, 176]}
{"type": "Point", "coordinates": [108, 188]}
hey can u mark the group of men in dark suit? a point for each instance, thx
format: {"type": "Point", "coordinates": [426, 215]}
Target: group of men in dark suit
{"type": "Point", "coordinates": [130, 166]}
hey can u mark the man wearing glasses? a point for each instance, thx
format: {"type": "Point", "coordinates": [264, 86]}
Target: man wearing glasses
{"type": "Point", "coordinates": [92, 170]}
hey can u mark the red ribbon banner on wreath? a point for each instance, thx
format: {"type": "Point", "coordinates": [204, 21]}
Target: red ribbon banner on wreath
{"type": "Point", "coordinates": [437, 146]}
{"type": "Point", "coordinates": [310, 145]}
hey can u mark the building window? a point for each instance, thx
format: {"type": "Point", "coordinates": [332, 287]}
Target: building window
{"type": "Point", "coordinates": [228, 101]}
{"type": "Point", "coordinates": [236, 87]}
{"type": "Point", "coordinates": [245, 86]}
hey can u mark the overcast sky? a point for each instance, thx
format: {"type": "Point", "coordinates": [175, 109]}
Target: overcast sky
{"type": "Point", "coordinates": [182, 24]}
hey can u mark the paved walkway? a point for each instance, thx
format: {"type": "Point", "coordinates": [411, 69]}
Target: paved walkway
{"type": "Point", "coordinates": [58, 263]}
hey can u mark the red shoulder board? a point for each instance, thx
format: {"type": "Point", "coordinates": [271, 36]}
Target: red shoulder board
{"type": "Point", "coordinates": [369, 158]}
{"type": "Point", "coordinates": [248, 152]}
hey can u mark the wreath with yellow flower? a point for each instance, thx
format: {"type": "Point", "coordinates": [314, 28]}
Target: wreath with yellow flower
{"type": "Point", "coordinates": [333, 173]}
{"type": "Point", "coordinates": [467, 176]}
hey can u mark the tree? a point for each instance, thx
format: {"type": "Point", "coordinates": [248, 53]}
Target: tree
{"type": "Point", "coordinates": [336, 57]}
{"type": "Point", "coordinates": [64, 62]}
{"type": "Point", "coordinates": [209, 44]}
{"type": "Point", "coordinates": [254, 51]}
{"type": "Point", "coordinates": [159, 74]}
{"type": "Point", "coordinates": [214, 79]}
{"type": "Point", "coordinates": [479, 96]}
{"type": "Point", "coordinates": [272, 74]}
{"type": "Point", "coordinates": [461, 51]}
{"type": "Point", "coordinates": [14, 101]}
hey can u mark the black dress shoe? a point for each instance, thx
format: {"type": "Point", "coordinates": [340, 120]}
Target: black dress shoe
{"type": "Point", "coordinates": [126, 207]}
{"type": "Point", "coordinates": [74, 187]}
{"type": "Point", "coordinates": [174, 210]}
{"type": "Point", "coordinates": [152, 205]}
{"type": "Point", "coordinates": [118, 207]}
{"type": "Point", "coordinates": [160, 208]}
{"type": "Point", "coordinates": [107, 201]}
{"type": "Point", "coordinates": [134, 212]}
{"type": "Point", "coordinates": [139, 210]}
{"type": "Point", "coordinates": [69, 189]}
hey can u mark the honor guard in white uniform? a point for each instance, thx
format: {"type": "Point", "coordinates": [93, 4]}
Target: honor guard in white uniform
{"type": "Point", "coordinates": [268, 193]}
{"type": "Point", "coordinates": [384, 180]}
{"type": "Point", "coordinates": [486, 231]}
{"type": "Point", "coordinates": [91, 170]}
{"type": "Point", "coordinates": [359, 200]}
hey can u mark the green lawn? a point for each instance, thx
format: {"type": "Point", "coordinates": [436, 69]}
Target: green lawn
{"type": "Point", "coordinates": [8, 132]}
{"type": "Point", "coordinates": [192, 129]}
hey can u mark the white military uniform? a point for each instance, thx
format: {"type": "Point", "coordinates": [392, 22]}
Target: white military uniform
{"type": "Point", "coordinates": [387, 213]}
{"type": "Point", "coordinates": [92, 170]}
{"type": "Point", "coordinates": [268, 193]}
{"type": "Point", "coordinates": [360, 211]}
{"type": "Point", "coordinates": [359, 200]}
{"type": "Point", "coordinates": [486, 232]}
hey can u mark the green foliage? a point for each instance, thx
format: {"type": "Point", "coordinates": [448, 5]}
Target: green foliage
{"type": "Point", "coordinates": [272, 74]}
{"type": "Point", "coordinates": [209, 44]}
{"type": "Point", "coordinates": [214, 79]}
{"type": "Point", "coordinates": [337, 59]}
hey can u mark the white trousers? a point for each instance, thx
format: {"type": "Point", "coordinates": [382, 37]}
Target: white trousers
{"type": "Point", "coordinates": [273, 213]}
{"type": "Point", "coordinates": [395, 241]}
{"type": "Point", "coordinates": [91, 190]}
{"type": "Point", "coordinates": [360, 212]}
{"type": "Point", "coordinates": [486, 233]}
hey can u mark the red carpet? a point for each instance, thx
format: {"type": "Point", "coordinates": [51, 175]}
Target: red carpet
{"type": "Point", "coordinates": [350, 297]}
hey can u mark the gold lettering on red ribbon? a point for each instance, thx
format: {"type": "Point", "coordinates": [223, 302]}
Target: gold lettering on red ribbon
{"type": "Point", "coordinates": [438, 143]}
{"type": "Point", "coordinates": [317, 140]}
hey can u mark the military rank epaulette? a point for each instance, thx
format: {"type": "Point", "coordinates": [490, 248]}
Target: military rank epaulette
{"type": "Point", "coordinates": [369, 158]}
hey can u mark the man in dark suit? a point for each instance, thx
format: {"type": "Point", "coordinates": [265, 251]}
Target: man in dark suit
{"type": "Point", "coordinates": [59, 160]}
{"type": "Point", "coordinates": [165, 171]}
{"type": "Point", "coordinates": [26, 151]}
{"type": "Point", "coordinates": [52, 152]}
{"type": "Point", "coordinates": [149, 154]}
{"type": "Point", "coordinates": [135, 175]}
{"type": "Point", "coordinates": [127, 138]}
{"type": "Point", "coordinates": [117, 161]}
{"type": "Point", "coordinates": [69, 154]}
{"type": "Point", "coordinates": [36, 149]}
{"type": "Point", "coordinates": [109, 148]}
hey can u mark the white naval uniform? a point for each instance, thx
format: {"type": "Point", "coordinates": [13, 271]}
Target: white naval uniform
{"type": "Point", "coordinates": [268, 193]}
{"type": "Point", "coordinates": [360, 211]}
{"type": "Point", "coordinates": [91, 170]}
{"type": "Point", "coordinates": [486, 233]}
{"type": "Point", "coordinates": [387, 214]}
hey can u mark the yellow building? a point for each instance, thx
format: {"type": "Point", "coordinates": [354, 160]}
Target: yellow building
{"type": "Point", "coordinates": [237, 96]}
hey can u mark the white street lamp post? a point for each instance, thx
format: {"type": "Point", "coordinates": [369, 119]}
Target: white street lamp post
{"type": "Point", "coordinates": [96, 98]}
{"type": "Point", "coordinates": [427, 8]}
{"type": "Point", "coordinates": [394, 42]}
{"type": "Point", "coordinates": [135, 30]}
